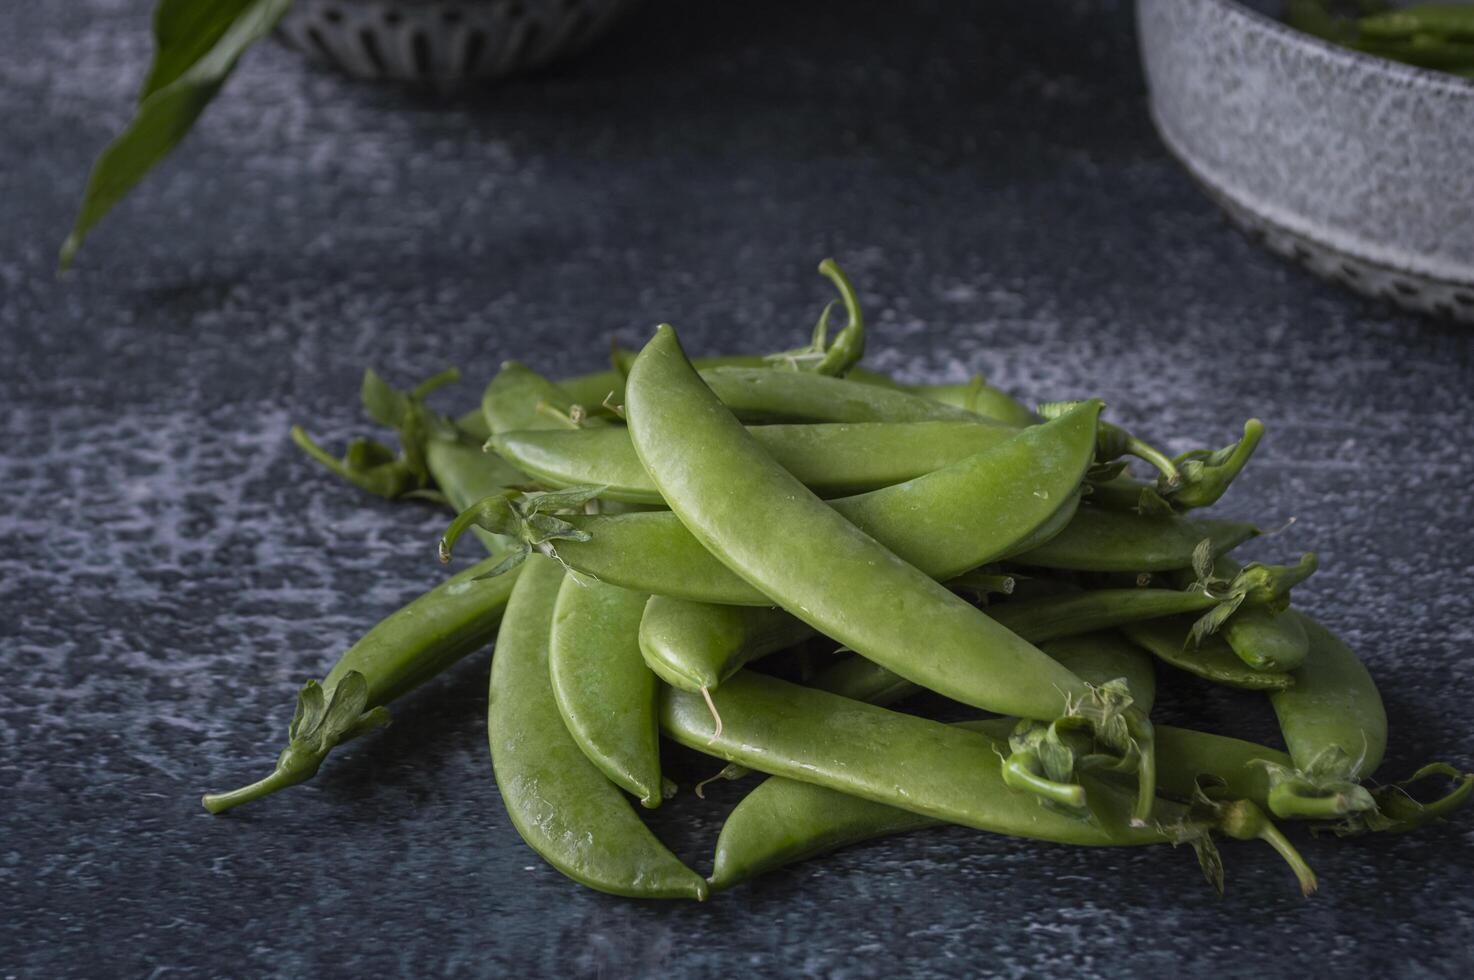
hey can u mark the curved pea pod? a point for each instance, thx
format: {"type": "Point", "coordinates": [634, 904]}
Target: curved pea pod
{"type": "Point", "coordinates": [602, 687]}
{"type": "Point", "coordinates": [519, 398]}
{"type": "Point", "coordinates": [625, 359]}
{"type": "Point", "coordinates": [407, 648]}
{"type": "Point", "coordinates": [828, 572]}
{"type": "Point", "coordinates": [561, 804]}
{"type": "Point", "coordinates": [935, 522]}
{"type": "Point", "coordinates": [831, 459]}
{"type": "Point", "coordinates": [783, 821]}
{"type": "Point", "coordinates": [597, 393]}
{"type": "Point", "coordinates": [924, 767]}
{"type": "Point", "coordinates": [1335, 727]}
{"type": "Point", "coordinates": [765, 395]}
{"type": "Point", "coordinates": [1098, 540]}
{"type": "Point", "coordinates": [1211, 659]}
{"type": "Point", "coordinates": [695, 645]}
{"type": "Point", "coordinates": [981, 398]}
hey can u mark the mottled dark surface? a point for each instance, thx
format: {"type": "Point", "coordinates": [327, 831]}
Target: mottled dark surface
{"type": "Point", "coordinates": [171, 568]}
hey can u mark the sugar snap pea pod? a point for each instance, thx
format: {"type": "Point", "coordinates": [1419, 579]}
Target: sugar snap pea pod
{"type": "Point", "coordinates": [764, 395]}
{"type": "Point", "coordinates": [604, 691]}
{"type": "Point", "coordinates": [599, 393]}
{"type": "Point", "coordinates": [831, 459]}
{"type": "Point", "coordinates": [867, 751]}
{"type": "Point", "coordinates": [695, 645]}
{"type": "Point", "coordinates": [559, 801]}
{"type": "Point", "coordinates": [829, 573]}
{"type": "Point", "coordinates": [473, 424]}
{"type": "Point", "coordinates": [624, 359]}
{"type": "Point", "coordinates": [783, 821]}
{"type": "Point", "coordinates": [937, 522]}
{"type": "Point", "coordinates": [1211, 659]}
{"type": "Point", "coordinates": [1099, 540]}
{"type": "Point", "coordinates": [1335, 727]}
{"type": "Point", "coordinates": [407, 648]}
{"type": "Point", "coordinates": [981, 398]}
{"type": "Point", "coordinates": [520, 398]}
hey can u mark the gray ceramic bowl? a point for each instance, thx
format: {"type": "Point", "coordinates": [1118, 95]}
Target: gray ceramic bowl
{"type": "Point", "coordinates": [1358, 168]}
{"type": "Point", "coordinates": [444, 42]}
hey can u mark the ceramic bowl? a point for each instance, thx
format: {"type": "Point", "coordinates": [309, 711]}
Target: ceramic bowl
{"type": "Point", "coordinates": [1358, 168]}
{"type": "Point", "coordinates": [444, 42]}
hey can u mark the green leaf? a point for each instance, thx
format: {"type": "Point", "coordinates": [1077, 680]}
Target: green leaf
{"type": "Point", "coordinates": [184, 32]}
{"type": "Point", "coordinates": [1212, 621]}
{"type": "Point", "coordinates": [180, 85]}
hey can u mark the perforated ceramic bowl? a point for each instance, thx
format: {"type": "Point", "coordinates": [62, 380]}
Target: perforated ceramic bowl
{"type": "Point", "coordinates": [1359, 168]}
{"type": "Point", "coordinates": [444, 42]}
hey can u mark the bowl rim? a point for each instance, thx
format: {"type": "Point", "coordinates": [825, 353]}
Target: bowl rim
{"type": "Point", "coordinates": [1427, 77]}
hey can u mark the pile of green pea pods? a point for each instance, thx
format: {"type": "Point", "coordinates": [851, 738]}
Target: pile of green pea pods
{"type": "Point", "coordinates": [762, 557]}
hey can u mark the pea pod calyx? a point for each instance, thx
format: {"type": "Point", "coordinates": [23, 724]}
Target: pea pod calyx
{"type": "Point", "coordinates": [526, 517]}
{"type": "Point", "coordinates": [318, 725]}
{"type": "Point", "coordinates": [1256, 584]}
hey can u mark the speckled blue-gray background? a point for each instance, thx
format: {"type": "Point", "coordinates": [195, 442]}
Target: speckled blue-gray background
{"type": "Point", "coordinates": [171, 568]}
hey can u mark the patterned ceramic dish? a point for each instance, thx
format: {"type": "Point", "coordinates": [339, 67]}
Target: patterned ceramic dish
{"type": "Point", "coordinates": [444, 42]}
{"type": "Point", "coordinates": [1358, 168]}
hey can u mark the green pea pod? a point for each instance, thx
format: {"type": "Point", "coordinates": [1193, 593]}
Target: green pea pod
{"type": "Point", "coordinates": [412, 645]}
{"type": "Point", "coordinates": [695, 645]}
{"type": "Point", "coordinates": [625, 359]}
{"type": "Point", "coordinates": [1335, 727]}
{"type": "Point", "coordinates": [783, 821]}
{"type": "Point", "coordinates": [520, 398]}
{"type": "Point", "coordinates": [824, 569]}
{"type": "Point", "coordinates": [981, 398]}
{"type": "Point", "coordinates": [561, 804]}
{"type": "Point", "coordinates": [604, 691]}
{"type": "Point", "coordinates": [1100, 540]}
{"type": "Point", "coordinates": [934, 522]}
{"type": "Point", "coordinates": [1211, 659]}
{"type": "Point", "coordinates": [599, 392]}
{"type": "Point", "coordinates": [407, 648]}
{"type": "Point", "coordinates": [924, 767]}
{"type": "Point", "coordinates": [830, 459]}
{"type": "Point", "coordinates": [473, 424]}
{"type": "Point", "coordinates": [765, 395]}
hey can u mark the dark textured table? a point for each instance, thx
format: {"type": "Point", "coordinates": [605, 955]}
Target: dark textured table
{"type": "Point", "coordinates": [171, 568]}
